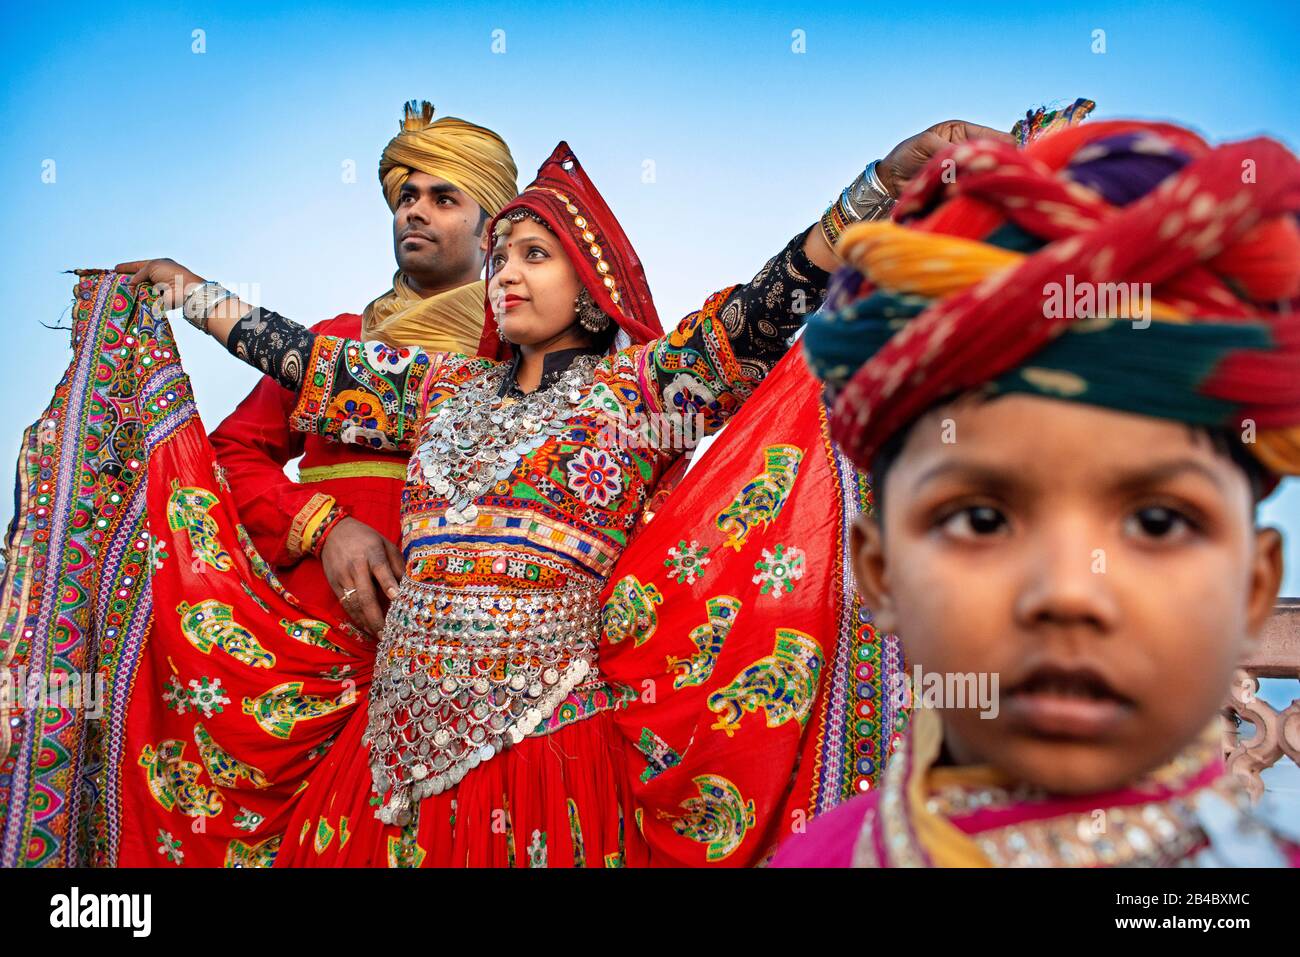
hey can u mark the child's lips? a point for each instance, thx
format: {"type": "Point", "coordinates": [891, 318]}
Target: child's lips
{"type": "Point", "coordinates": [1055, 715]}
{"type": "Point", "coordinates": [1066, 702]}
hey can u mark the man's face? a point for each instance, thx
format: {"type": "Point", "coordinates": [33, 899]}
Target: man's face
{"type": "Point", "coordinates": [1105, 566]}
{"type": "Point", "coordinates": [437, 232]}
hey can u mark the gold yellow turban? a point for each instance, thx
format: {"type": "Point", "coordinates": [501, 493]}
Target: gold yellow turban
{"type": "Point", "coordinates": [474, 160]}
{"type": "Point", "coordinates": [469, 157]}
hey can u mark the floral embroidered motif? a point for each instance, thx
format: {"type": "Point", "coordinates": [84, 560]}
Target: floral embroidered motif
{"type": "Point", "coordinates": [211, 624]}
{"type": "Point", "coordinates": [763, 497]}
{"type": "Point", "coordinates": [720, 817]}
{"type": "Point", "coordinates": [537, 850]}
{"type": "Point", "coordinates": [170, 846]}
{"type": "Point", "coordinates": [321, 749]}
{"type": "Point", "coordinates": [779, 570]}
{"type": "Point", "coordinates": [187, 511]}
{"type": "Point", "coordinates": [595, 477]}
{"type": "Point", "coordinates": [386, 358]}
{"type": "Point", "coordinates": [708, 639]}
{"type": "Point", "coordinates": [324, 835]}
{"type": "Point", "coordinates": [686, 396]}
{"type": "Point", "coordinates": [174, 782]}
{"type": "Point", "coordinates": [630, 611]}
{"type": "Point", "coordinates": [310, 632]}
{"type": "Point", "coordinates": [403, 850]}
{"type": "Point", "coordinates": [357, 408]}
{"type": "Point", "coordinates": [277, 710]}
{"type": "Point", "coordinates": [575, 834]}
{"type": "Point", "coordinates": [224, 768]}
{"type": "Point", "coordinates": [782, 684]}
{"type": "Point", "coordinates": [203, 694]}
{"type": "Point", "coordinates": [261, 854]}
{"type": "Point", "coordinates": [686, 562]}
{"type": "Point", "coordinates": [659, 755]}
{"type": "Point", "coordinates": [157, 552]}
{"type": "Point", "coordinates": [247, 820]}
{"type": "Point", "coordinates": [176, 695]}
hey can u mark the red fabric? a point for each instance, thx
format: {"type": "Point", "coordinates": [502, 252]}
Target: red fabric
{"type": "Point", "coordinates": [176, 790]}
{"type": "Point", "coordinates": [254, 443]}
{"type": "Point", "coordinates": [563, 175]}
{"type": "Point", "coordinates": [743, 766]}
{"type": "Point", "coordinates": [1165, 239]}
{"type": "Point", "coordinates": [570, 786]}
{"type": "Point", "coordinates": [231, 703]}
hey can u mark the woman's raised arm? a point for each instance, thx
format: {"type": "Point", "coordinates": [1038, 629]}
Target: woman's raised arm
{"type": "Point", "coordinates": [364, 393]}
{"type": "Point", "coordinates": [715, 357]}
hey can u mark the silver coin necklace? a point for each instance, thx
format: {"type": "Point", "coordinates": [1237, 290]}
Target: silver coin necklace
{"type": "Point", "coordinates": [477, 436]}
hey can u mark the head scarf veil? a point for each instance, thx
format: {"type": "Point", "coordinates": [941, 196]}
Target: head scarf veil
{"type": "Point", "coordinates": [568, 202]}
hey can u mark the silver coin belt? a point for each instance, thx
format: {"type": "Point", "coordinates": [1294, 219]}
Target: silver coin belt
{"type": "Point", "coordinates": [475, 438]}
{"type": "Point", "coordinates": [465, 671]}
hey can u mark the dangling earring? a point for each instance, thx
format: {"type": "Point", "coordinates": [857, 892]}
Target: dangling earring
{"type": "Point", "coordinates": [498, 308]}
{"type": "Point", "coordinates": [590, 316]}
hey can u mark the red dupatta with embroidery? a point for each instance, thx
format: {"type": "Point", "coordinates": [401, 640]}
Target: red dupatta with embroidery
{"type": "Point", "coordinates": [129, 574]}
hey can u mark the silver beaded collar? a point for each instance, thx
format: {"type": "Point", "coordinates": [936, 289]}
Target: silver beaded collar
{"type": "Point", "coordinates": [476, 437]}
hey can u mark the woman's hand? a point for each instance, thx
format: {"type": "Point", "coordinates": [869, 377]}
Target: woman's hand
{"type": "Point", "coordinates": [906, 159]}
{"type": "Point", "coordinates": [169, 276]}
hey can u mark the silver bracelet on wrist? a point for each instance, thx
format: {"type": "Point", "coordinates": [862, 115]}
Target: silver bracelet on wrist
{"type": "Point", "coordinates": [201, 300]}
{"type": "Point", "coordinates": [866, 198]}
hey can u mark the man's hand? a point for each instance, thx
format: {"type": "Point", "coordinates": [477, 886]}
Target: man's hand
{"type": "Point", "coordinates": [906, 159]}
{"type": "Point", "coordinates": [167, 274]}
{"type": "Point", "coordinates": [357, 560]}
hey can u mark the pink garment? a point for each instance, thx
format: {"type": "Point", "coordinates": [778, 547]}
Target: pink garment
{"type": "Point", "coordinates": [829, 840]}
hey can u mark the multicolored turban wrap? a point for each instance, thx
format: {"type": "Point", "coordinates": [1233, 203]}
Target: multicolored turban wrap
{"type": "Point", "coordinates": [1128, 265]}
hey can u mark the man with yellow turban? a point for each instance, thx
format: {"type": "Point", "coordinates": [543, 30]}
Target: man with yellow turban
{"type": "Point", "coordinates": [443, 180]}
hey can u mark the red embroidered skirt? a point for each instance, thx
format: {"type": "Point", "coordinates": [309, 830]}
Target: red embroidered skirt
{"type": "Point", "coordinates": [558, 800]}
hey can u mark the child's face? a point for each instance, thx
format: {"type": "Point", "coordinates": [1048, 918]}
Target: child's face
{"type": "Point", "coordinates": [1103, 565]}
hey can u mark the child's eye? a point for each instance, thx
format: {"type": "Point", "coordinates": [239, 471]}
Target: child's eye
{"type": "Point", "coordinates": [974, 521]}
{"type": "Point", "coordinates": [1160, 523]}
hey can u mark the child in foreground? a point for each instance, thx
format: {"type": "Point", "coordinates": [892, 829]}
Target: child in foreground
{"type": "Point", "coordinates": [1066, 487]}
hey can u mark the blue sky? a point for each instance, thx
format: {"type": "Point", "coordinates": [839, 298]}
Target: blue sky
{"type": "Point", "coordinates": [232, 160]}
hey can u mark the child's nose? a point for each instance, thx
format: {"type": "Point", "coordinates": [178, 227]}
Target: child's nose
{"type": "Point", "coordinates": [1067, 581]}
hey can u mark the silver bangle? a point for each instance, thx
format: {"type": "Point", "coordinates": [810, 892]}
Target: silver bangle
{"type": "Point", "coordinates": [201, 300]}
{"type": "Point", "coordinates": [866, 197]}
